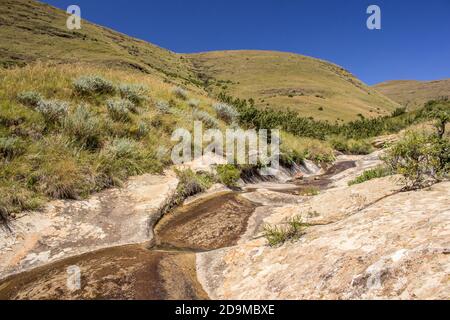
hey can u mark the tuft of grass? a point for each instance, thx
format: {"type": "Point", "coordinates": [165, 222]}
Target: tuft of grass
{"type": "Point", "coordinates": [53, 111]}
{"type": "Point", "coordinates": [119, 109]}
{"type": "Point", "coordinates": [84, 127]}
{"type": "Point", "coordinates": [310, 191]}
{"type": "Point", "coordinates": [29, 98]}
{"type": "Point", "coordinates": [180, 93]}
{"type": "Point", "coordinates": [278, 235]}
{"type": "Point", "coordinates": [93, 84]}
{"type": "Point", "coordinates": [10, 147]}
{"type": "Point", "coordinates": [162, 106]}
{"type": "Point", "coordinates": [208, 120]}
{"type": "Point", "coordinates": [378, 172]}
{"type": "Point", "coordinates": [62, 172]}
{"type": "Point", "coordinates": [225, 112]}
{"type": "Point", "coordinates": [193, 103]}
{"type": "Point", "coordinates": [133, 92]}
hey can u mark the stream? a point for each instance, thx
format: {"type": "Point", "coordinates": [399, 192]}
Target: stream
{"type": "Point", "coordinates": [165, 268]}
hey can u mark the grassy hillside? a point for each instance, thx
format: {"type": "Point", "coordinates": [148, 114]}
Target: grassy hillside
{"type": "Point", "coordinates": [306, 85]}
{"type": "Point", "coordinates": [414, 94]}
{"type": "Point", "coordinates": [32, 31]}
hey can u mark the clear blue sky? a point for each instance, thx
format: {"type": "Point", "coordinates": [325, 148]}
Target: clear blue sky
{"type": "Point", "coordinates": [414, 42]}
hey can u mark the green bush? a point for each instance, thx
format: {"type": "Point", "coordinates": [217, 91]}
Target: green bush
{"type": "Point", "coordinates": [422, 159]}
{"type": "Point", "coordinates": [228, 174]}
{"type": "Point", "coordinates": [90, 85]}
{"type": "Point", "coordinates": [378, 172]}
{"type": "Point", "coordinates": [133, 92]}
{"type": "Point", "coordinates": [119, 109]}
{"type": "Point", "coordinates": [398, 112]}
{"type": "Point", "coordinates": [351, 146]}
{"type": "Point", "coordinates": [29, 98]}
{"type": "Point", "coordinates": [84, 127]}
{"type": "Point", "coordinates": [277, 235]}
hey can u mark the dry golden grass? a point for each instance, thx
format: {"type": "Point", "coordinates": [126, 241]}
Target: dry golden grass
{"type": "Point", "coordinates": [306, 85]}
{"type": "Point", "coordinates": [414, 94]}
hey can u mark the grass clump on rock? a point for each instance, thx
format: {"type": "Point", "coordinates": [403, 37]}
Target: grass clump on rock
{"type": "Point", "coordinates": [278, 235]}
{"type": "Point", "coordinates": [378, 172]}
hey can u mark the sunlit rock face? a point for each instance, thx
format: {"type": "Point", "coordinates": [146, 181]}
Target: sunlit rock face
{"type": "Point", "coordinates": [67, 228]}
{"type": "Point", "coordinates": [368, 241]}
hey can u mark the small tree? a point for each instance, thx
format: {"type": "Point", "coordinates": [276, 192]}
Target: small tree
{"type": "Point", "coordinates": [422, 159]}
{"type": "Point", "coordinates": [440, 112]}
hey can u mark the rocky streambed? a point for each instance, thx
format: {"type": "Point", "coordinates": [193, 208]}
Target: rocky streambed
{"type": "Point", "coordinates": [211, 247]}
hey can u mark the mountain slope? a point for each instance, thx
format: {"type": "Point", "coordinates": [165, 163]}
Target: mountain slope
{"type": "Point", "coordinates": [32, 31]}
{"type": "Point", "coordinates": [414, 94]}
{"type": "Point", "coordinates": [287, 80]}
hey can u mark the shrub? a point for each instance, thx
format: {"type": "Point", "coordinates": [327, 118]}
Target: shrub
{"type": "Point", "coordinates": [89, 85]}
{"type": "Point", "coordinates": [228, 174]}
{"type": "Point", "coordinates": [84, 127]}
{"type": "Point", "coordinates": [277, 235]}
{"type": "Point", "coordinates": [29, 98]}
{"type": "Point", "coordinates": [119, 109]}
{"type": "Point", "coordinates": [10, 147]}
{"type": "Point", "coordinates": [193, 103]}
{"type": "Point", "coordinates": [440, 112]}
{"type": "Point", "coordinates": [180, 93]}
{"type": "Point", "coordinates": [53, 111]}
{"type": "Point", "coordinates": [351, 146]}
{"type": "Point", "coordinates": [162, 106]}
{"type": "Point", "coordinates": [378, 172]}
{"type": "Point", "coordinates": [225, 112]}
{"type": "Point", "coordinates": [398, 112]}
{"type": "Point", "coordinates": [134, 93]}
{"type": "Point", "coordinates": [206, 118]}
{"type": "Point", "coordinates": [422, 159]}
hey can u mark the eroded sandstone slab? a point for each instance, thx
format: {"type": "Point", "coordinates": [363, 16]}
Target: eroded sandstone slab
{"type": "Point", "coordinates": [391, 246]}
{"type": "Point", "coordinates": [113, 217]}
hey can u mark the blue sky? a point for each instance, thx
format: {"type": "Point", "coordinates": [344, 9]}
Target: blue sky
{"type": "Point", "coordinates": [414, 42]}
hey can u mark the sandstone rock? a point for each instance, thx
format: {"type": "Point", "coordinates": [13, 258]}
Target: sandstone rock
{"type": "Point", "coordinates": [66, 228]}
{"type": "Point", "coordinates": [376, 245]}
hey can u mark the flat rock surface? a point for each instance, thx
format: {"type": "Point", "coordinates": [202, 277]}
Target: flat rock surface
{"type": "Point", "coordinates": [369, 241]}
{"type": "Point", "coordinates": [66, 228]}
